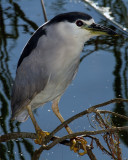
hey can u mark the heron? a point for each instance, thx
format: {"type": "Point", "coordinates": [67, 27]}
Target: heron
{"type": "Point", "coordinates": [48, 64]}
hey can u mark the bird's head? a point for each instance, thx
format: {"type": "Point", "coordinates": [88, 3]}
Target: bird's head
{"type": "Point", "coordinates": [80, 25]}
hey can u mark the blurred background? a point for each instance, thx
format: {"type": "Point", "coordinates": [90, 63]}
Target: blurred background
{"type": "Point", "coordinates": [102, 75]}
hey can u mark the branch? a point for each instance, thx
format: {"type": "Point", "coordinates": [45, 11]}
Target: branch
{"type": "Point", "coordinates": [84, 133]}
{"type": "Point", "coordinates": [11, 136]}
{"type": "Point", "coordinates": [56, 140]}
{"type": "Point", "coordinates": [87, 111]}
{"type": "Point", "coordinates": [63, 140]}
{"type": "Point", "coordinates": [16, 135]}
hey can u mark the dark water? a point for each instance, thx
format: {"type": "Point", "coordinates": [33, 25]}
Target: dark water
{"type": "Point", "coordinates": [103, 74]}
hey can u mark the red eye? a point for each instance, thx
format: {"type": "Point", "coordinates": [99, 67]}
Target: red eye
{"type": "Point", "coordinates": [79, 23]}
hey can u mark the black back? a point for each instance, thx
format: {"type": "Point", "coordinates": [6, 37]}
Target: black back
{"type": "Point", "coordinates": [32, 43]}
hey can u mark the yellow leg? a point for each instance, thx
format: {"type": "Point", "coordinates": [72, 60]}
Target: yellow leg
{"type": "Point", "coordinates": [33, 118]}
{"type": "Point", "coordinates": [55, 109]}
{"type": "Point", "coordinates": [41, 134]}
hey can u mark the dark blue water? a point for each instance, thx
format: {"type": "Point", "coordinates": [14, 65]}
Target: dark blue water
{"type": "Point", "coordinates": [102, 75]}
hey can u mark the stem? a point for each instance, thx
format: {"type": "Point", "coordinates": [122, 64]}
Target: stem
{"type": "Point", "coordinates": [44, 11]}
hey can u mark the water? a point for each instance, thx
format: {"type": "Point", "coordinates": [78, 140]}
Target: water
{"type": "Point", "coordinates": [102, 75]}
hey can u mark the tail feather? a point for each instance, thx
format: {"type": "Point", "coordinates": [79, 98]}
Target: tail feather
{"type": "Point", "coordinates": [22, 117]}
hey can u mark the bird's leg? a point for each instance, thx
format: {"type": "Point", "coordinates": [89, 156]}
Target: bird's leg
{"type": "Point", "coordinates": [55, 109]}
{"type": "Point", "coordinates": [41, 134]}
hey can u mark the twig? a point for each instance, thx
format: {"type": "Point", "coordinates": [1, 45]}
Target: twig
{"type": "Point", "coordinates": [90, 153]}
{"type": "Point", "coordinates": [44, 11]}
{"type": "Point", "coordinates": [99, 145]}
{"type": "Point", "coordinates": [108, 145]}
{"type": "Point", "coordinates": [115, 114]}
{"type": "Point", "coordinates": [100, 120]}
{"type": "Point", "coordinates": [90, 122]}
{"type": "Point", "coordinates": [116, 100]}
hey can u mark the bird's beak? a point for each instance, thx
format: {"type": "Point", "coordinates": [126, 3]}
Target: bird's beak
{"type": "Point", "coordinates": [97, 29]}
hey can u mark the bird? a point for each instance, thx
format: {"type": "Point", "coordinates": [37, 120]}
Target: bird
{"type": "Point", "coordinates": [49, 62]}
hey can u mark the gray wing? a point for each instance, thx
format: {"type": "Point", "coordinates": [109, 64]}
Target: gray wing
{"type": "Point", "coordinates": [31, 76]}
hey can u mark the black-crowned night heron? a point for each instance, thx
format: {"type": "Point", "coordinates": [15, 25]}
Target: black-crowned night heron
{"type": "Point", "coordinates": [49, 62]}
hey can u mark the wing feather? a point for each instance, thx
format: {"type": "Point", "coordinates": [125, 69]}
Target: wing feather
{"type": "Point", "coordinates": [31, 75]}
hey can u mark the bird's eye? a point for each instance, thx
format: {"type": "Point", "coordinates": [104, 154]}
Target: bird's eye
{"type": "Point", "coordinates": [79, 23]}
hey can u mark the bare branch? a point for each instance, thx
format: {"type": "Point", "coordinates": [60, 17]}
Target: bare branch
{"type": "Point", "coordinates": [16, 135]}
{"type": "Point", "coordinates": [70, 136]}
{"type": "Point", "coordinates": [89, 110]}
{"type": "Point", "coordinates": [106, 128]}
{"type": "Point", "coordinates": [84, 133]}
{"type": "Point", "coordinates": [57, 140]}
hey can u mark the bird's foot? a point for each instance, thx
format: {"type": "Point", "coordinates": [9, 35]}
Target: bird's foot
{"type": "Point", "coordinates": [41, 135]}
{"type": "Point", "coordinates": [75, 147]}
